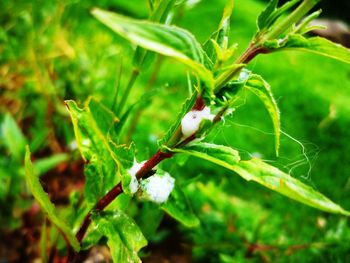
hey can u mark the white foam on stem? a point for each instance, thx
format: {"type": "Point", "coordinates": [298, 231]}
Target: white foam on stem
{"type": "Point", "coordinates": [158, 187]}
{"type": "Point", "coordinates": [191, 121]}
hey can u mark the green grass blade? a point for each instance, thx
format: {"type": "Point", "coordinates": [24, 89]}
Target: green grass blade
{"type": "Point", "coordinates": [42, 198]}
{"type": "Point", "coordinates": [12, 137]}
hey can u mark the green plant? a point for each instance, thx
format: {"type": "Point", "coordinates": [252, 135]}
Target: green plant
{"type": "Point", "coordinates": [220, 76]}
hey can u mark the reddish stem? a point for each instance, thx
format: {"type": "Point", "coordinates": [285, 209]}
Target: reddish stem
{"type": "Point", "coordinates": [199, 104]}
{"type": "Point", "coordinates": [251, 53]}
{"type": "Point", "coordinates": [145, 170]}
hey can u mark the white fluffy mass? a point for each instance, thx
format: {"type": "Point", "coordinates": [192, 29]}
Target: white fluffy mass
{"type": "Point", "coordinates": [191, 121]}
{"type": "Point", "coordinates": [134, 184]}
{"type": "Point", "coordinates": [158, 187]}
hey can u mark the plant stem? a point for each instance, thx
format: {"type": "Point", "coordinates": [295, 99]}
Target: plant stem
{"type": "Point", "coordinates": [251, 52]}
{"type": "Point", "coordinates": [293, 18]}
{"type": "Point", "coordinates": [134, 74]}
{"type": "Point", "coordinates": [140, 110]}
{"type": "Point", "coordinates": [117, 86]}
{"type": "Point", "coordinates": [145, 171]}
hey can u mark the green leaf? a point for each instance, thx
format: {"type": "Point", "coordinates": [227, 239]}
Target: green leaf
{"type": "Point", "coordinates": [45, 164]}
{"type": "Point", "coordinates": [94, 178]}
{"type": "Point", "coordinates": [13, 137]}
{"type": "Point", "coordinates": [91, 125]}
{"type": "Point", "coordinates": [41, 166]}
{"type": "Point", "coordinates": [286, 25]}
{"type": "Point", "coordinates": [92, 238]}
{"type": "Point", "coordinates": [226, 95]}
{"type": "Point", "coordinates": [44, 243]}
{"type": "Point", "coordinates": [265, 15]}
{"type": "Point", "coordinates": [264, 174]}
{"type": "Point", "coordinates": [167, 40]}
{"type": "Point", "coordinates": [224, 25]}
{"type": "Point", "coordinates": [217, 40]}
{"type": "Point", "coordinates": [283, 183]}
{"type": "Point", "coordinates": [319, 46]}
{"type": "Point", "coordinates": [42, 198]}
{"type": "Point", "coordinates": [93, 128]}
{"type": "Point", "coordinates": [186, 107]}
{"type": "Point", "coordinates": [269, 16]}
{"type": "Point", "coordinates": [178, 207]}
{"type": "Point", "coordinates": [219, 154]}
{"type": "Point", "coordinates": [262, 89]}
{"type": "Point", "coordinates": [162, 10]}
{"type": "Point", "coordinates": [303, 27]}
{"type": "Point", "coordinates": [149, 219]}
{"type": "Point", "coordinates": [124, 237]}
{"type": "Point", "coordinates": [126, 156]}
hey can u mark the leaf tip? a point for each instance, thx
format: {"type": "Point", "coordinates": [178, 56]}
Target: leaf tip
{"type": "Point", "coordinates": [95, 10]}
{"type": "Point", "coordinates": [27, 155]}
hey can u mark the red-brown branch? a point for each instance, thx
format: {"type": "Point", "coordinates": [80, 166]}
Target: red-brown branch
{"type": "Point", "coordinates": [251, 53]}
{"type": "Point", "coordinates": [145, 170]}
{"type": "Point", "coordinates": [199, 104]}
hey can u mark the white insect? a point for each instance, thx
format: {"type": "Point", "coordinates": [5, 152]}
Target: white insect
{"type": "Point", "coordinates": [158, 187]}
{"type": "Point", "coordinates": [191, 121]}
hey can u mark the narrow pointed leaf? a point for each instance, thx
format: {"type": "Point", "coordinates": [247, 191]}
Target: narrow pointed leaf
{"type": "Point", "coordinates": [269, 20]}
{"type": "Point", "coordinates": [319, 46]}
{"type": "Point", "coordinates": [162, 10]}
{"type": "Point", "coordinates": [159, 13]}
{"type": "Point", "coordinates": [167, 40]}
{"type": "Point", "coordinates": [273, 178]}
{"type": "Point", "coordinates": [13, 137]}
{"type": "Point", "coordinates": [224, 25]}
{"type": "Point", "coordinates": [215, 42]}
{"type": "Point", "coordinates": [219, 154]}
{"type": "Point", "coordinates": [45, 164]}
{"type": "Point", "coordinates": [264, 16]}
{"type": "Point", "coordinates": [42, 198]}
{"type": "Point", "coordinates": [125, 239]}
{"type": "Point", "coordinates": [264, 174]}
{"type": "Point", "coordinates": [262, 89]}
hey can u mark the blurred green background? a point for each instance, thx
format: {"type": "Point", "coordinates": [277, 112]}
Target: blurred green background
{"type": "Point", "coordinates": [51, 51]}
